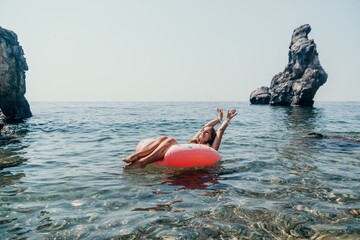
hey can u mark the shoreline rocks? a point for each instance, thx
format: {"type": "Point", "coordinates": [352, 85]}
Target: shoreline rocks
{"type": "Point", "coordinates": [2, 121]}
{"type": "Point", "coordinates": [12, 78]}
{"type": "Point", "coordinates": [260, 96]}
{"type": "Point", "coordinates": [301, 78]}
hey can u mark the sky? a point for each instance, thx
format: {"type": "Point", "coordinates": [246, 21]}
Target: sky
{"type": "Point", "coordinates": [177, 50]}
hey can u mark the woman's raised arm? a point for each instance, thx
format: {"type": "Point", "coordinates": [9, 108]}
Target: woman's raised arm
{"type": "Point", "coordinates": [212, 123]}
{"type": "Point", "coordinates": [220, 132]}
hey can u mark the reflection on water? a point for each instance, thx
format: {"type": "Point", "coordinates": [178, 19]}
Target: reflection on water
{"type": "Point", "coordinates": [8, 178]}
{"type": "Point", "coordinates": [301, 120]}
{"type": "Point", "coordinates": [11, 146]}
{"type": "Point", "coordinates": [191, 180]}
{"type": "Point", "coordinates": [9, 157]}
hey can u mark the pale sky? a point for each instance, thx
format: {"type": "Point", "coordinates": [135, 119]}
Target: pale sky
{"type": "Point", "coordinates": [177, 50]}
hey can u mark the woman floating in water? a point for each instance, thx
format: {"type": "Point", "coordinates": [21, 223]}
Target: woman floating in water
{"type": "Point", "coordinates": [156, 149]}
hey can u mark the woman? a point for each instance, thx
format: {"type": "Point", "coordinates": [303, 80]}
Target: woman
{"type": "Point", "coordinates": [156, 149]}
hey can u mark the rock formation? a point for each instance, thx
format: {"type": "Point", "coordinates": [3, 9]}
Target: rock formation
{"type": "Point", "coordinates": [2, 120]}
{"type": "Point", "coordinates": [260, 96]}
{"type": "Point", "coordinates": [12, 77]}
{"type": "Point", "coordinates": [301, 78]}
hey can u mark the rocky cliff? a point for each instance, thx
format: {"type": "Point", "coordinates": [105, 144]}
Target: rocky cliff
{"type": "Point", "coordinates": [301, 78]}
{"type": "Point", "coordinates": [12, 77]}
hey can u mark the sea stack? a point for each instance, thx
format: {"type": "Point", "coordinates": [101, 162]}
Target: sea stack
{"type": "Point", "coordinates": [12, 77]}
{"type": "Point", "coordinates": [301, 78]}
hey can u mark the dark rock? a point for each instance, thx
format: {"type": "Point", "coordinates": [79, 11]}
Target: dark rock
{"type": "Point", "coordinates": [302, 76]}
{"type": "Point", "coordinates": [12, 77]}
{"type": "Point", "coordinates": [314, 135]}
{"type": "Point", "coordinates": [2, 120]}
{"type": "Point", "coordinates": [260, 96]}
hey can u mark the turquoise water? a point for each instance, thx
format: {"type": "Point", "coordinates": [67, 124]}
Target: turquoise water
{"type": "Point", "coordinates": [64, 179]}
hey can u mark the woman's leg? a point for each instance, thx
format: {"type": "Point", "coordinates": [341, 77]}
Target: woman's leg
{"type": "Point", "coordinates": [146, 150]}
{"type": "Point", "coordinates": [156, 155]}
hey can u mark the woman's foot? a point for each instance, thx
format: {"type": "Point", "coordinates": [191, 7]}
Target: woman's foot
{"type": "Point", "coordinates": [134, 165]}
{"type": "Point", "coordinates": [131, 158]}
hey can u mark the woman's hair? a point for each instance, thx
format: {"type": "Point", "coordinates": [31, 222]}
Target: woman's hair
{"type": "Point", "coordinates": [213, 135]}
{"type": "Point", "coordinates": [210, 142]}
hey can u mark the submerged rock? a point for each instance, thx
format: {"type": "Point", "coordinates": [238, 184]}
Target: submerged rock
{"type": "Point", "coordinates": [12, 77]}
{"type": "Point", "coordinates": [314, 135]}
{"type": "Point", "coordinates": [341, 140]}
{"type": "Point", "coordinates": [301, 78]}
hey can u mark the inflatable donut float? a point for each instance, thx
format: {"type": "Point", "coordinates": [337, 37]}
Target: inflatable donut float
{"type": "Point", "coordinates": [186, 155]}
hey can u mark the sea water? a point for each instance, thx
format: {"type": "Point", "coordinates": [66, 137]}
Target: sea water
{"type": "Point", "coordinates": [62, 177]}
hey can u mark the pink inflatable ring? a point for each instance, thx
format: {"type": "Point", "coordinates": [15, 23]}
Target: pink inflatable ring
{"type": "Point", "coordinates": [186, 155]}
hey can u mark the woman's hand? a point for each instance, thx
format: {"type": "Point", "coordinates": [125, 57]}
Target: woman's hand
{"type": "Point", "coordinates": [220, 114]}
{"type": "Point", "coordinates": [220, 132]}
{"type": "Point", "coordinates": [231, 113]}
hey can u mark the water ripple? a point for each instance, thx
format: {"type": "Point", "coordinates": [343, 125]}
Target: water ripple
{"type": "Point", "coordinates": [61, 177]}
